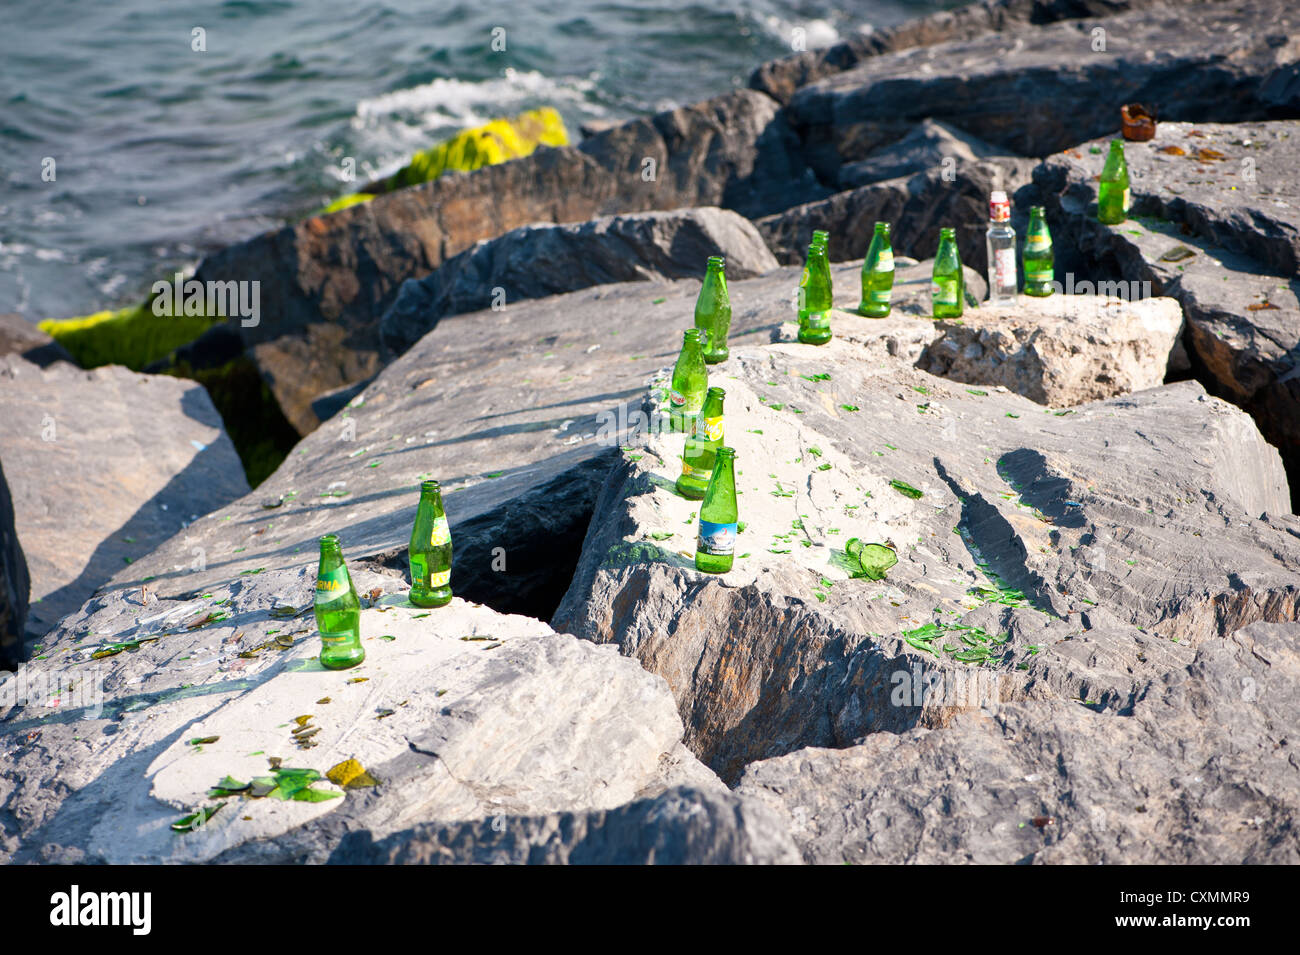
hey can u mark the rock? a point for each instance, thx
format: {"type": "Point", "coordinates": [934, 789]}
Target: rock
{"type": "Point", "coordinates": [540, 260]}
{"type": "Point", "coordinates": [516, 412]}
{"type": "Point", "coordinates": [1037, 91]}
{"type": "Point", "coordinates": [20, 337]}
{"type": "Point", "coordinates": [1197, 773]}
{"type": "Point", "coordinates": [326, 281]}
{"type": "Point", "coordinates": [1062, 350]}
{"type": "Point", "coordinates": [680, 827]}
{"type": "Point", "coordinates": [456, 714]}
{"type": "Point", "coordinates": [925, 147]}
{"type": "Point", "coordinates": [1101, 545]}
{"type": "Point", "coordinates": [916, 206]}
{"type": "Point", "coordinates": [104, 466]}
{"type": "Point", "coordinates": [780, 78]}
{"type": "Point", "coordinates": [1219, 235]}
{"type": "Point", "coordinates": [15, 583]}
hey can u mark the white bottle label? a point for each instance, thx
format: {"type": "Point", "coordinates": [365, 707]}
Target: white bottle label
{"type": "Point", "coordinates": [1004, 268]}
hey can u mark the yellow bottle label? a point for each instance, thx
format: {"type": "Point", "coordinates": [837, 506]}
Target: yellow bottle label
{"type": "Point", "coordinates": [440, 533]}
{"type": "Point", "coordinates": [1038, 243]}
{"type": "Point", "coordinates": [886, 262]}
{"type": "Point", "coordinates": [439, 578]}
{"type": "Point", "coordinates": [708, 428]}
{"type": "Point", "coordinates": [332, 582]}
{"type": "Point", "coordinates": [689, 470]}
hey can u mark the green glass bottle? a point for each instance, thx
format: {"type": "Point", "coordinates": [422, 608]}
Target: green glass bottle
{"type": "Point", "coordinates": [1038, 259]}
{"type": "Point", "coordinates": [1113, 190]}
{"type": "Point", "coordinates": [716, 546]}
{"type": "Point", "coordinates": [429, 552]}
{"type": "Point", "coordinates": [338, 609]}
{"type": "Point", "coordinates": [701, 447]}
{"type": "Point", "coordinates": [948, 285]}
{"type": "Point", "coordinates": [815, 294]}
{"type": "Point", "coordinates": [713, 311]}
{"type": "Point", "coordinates": [690, 382]}
{"type": "Point", "coordinates": [878, 275]}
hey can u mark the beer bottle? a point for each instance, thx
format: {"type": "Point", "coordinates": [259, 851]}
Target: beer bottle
{"type": "Point", "coordinates": [701, 447]}
{"type": "Point", "coordinates": [716, 546]}
{"type": "Point", "coordinates": [948, 285]}
{"type": "Point", "coordinates": [815, 294]}
{"type": "Point", "coordinates": [690, 381]}
{"type": "Point", "coordinates": [1001, 246]}
{"type": "Point", "coordinates": [713, 312]}
{"type": "Point", "coordinates": [338, 610]}
{"type": "Point", "coordinates": [1038, 258]}
{"type": "Point", "coordinates": [429, 553]}
{"type": "Point", "coordinates": [1112, 191]}
{"type": "Point", "coordinates": [878, 275]}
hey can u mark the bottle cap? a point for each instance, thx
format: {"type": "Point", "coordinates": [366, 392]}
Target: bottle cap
{"type": "Point", "coordinates": [999, 206]}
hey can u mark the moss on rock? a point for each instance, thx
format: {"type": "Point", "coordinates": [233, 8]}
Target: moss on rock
{"type": "Point", "coordinates": [495, 142]}
{"type": "Point", "coordinates": [133, 336]}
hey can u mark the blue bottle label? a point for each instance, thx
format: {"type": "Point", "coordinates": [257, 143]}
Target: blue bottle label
{"type": "Point", "coordinates": [716, 539]}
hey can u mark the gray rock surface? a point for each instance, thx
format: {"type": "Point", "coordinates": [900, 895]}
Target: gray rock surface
{"type": "Point", "coordinates": [103, 467]}
{"type": "Point", "coordinates": [326, 281]}
{"type": "Point", "coordinates": [780, 78]}
{"type": "Point", "coordinates": [925, 147]}
{"type": "Point", "coordinates": [916, 206]}
{"type": "Point", "coordinates": [15, 583]}
{"type": "Point", "coordinates": [22, 338]}
{"type": "Point", "coordinates": [1106, 543]}
{"type": "Point", "coordinates": [547, 259]}
{"type": "Point", "coordinates": [679, 827]}
{"type": "Point", "coordinates": [1201, 771]}
{"type": "Point", "coordinates": [458, 714]}
{"type": "Point", "coordinates": [1062, 350]}
{"type": "Point", "coordinates": [1036, 91]}
{"type": "Point", "coordinates": [1216, 226]}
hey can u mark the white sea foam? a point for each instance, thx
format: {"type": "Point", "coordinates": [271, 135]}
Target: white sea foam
{"type": "Point", "coordinates": [817, 33]}
{"type": "Point", "coordinates": [394, 125]}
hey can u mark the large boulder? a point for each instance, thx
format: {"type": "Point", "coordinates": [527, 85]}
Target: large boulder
{"type": "Point", "coordinates": [917, 206]}
{"type": "Point", "coordinates": [927, 146]}
{"type": "Point", "coordinates": [15, 583]}
{"type": "Point", "coordinates": [326, 281]}
{"type": "Point", "coordinates": [781, 78]}
{"type": "Point", "coordinates": [1062, 350]}
{"type": "Point", "coordinates": [1091, 549]}
{"type": "Point", "coordinates": [519, 413]}
{"type": "Point", "coordinates": [143, 705]}
{"type": "Point", "coordinates": [1197, 773]}
{"type": "Point", "coordinates": [548, 259]}
{"type": "Point", "coordinates": [20, 337]}
{"type": "Point", "coordinates": [1033, 92]}
{"type": "Point", "coordinates": [1215, 225]}
{"type": "Point", "coordinates": [680, 827]}
{"type": "Point", "coordinates": [104, 466]}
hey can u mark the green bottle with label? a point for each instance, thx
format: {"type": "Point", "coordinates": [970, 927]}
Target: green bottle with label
{"type": "Point", "coordinates": [948, 283]}
{"type": "Point", "coordinates": [1113, 189]}
{"type": "Point", "coordinates": [701, 447]}
{"type": "Point", "coordinates": [878, 275]}
{"type": "Point", "coordinates": [1038, 259]}
{"type": "Point", "coordinates": [338, 609]}
{"type": "Point", "coordinates": [815, 294]}
{"type": "Point", "coordinates": [715, 547]}
{"type": "Point", "coordinates": [429, 552]}
{"type": "Point", "coordinates": [713, 312]}
{"type": "Point", "coordinates": [689, 383]}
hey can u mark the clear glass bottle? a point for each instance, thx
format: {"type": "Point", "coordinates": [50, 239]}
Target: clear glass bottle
{"type": "Point", "coordinates": [1001, 239]}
